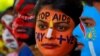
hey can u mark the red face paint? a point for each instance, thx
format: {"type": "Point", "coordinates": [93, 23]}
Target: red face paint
{"type": "Point", "coordinates": [23, 29]}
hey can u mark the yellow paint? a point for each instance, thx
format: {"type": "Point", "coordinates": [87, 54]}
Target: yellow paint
{"type": "Point", "coordinates": [51, 24]}
{"type": "Point", "coordinates": [90, 35]}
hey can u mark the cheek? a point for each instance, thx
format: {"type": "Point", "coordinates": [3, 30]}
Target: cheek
{"type": "Point", "coordinates": [67, 48]}
{"type": "Point", "coordinates": [64, 34]}
{"type": "Point", "coordinates": [39, 34]}
{"type": "Point", "coordinates": [14, 31]}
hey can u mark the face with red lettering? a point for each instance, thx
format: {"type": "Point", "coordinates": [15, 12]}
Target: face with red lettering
{"type": "Point", "coordinates": [54, 32]}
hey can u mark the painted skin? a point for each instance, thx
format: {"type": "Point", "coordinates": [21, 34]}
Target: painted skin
{"type": "Point", "coordinates": [62, 28]}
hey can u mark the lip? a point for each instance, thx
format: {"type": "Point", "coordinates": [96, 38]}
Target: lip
{"type": "Point", "coordinates": [49, 45]}
{"type": "Point", "coordinates": [9, 40]}
{"type": "Point", "coordinates": [20, 30]}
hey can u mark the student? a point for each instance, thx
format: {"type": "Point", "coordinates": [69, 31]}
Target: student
{"type": "Point", "coordinates": [7, 36]}
{"type": "Point", "coordinates": [55, 22]}
{"type": "Point", "coordinates": [91, 27]}
{"type": "Point", "coordinates": [23, 27]}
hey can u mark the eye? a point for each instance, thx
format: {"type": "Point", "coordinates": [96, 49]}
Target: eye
{"type": "Point", "coordinates": [42, 26]}
{"type": "Point", "coordinates": [61, 27]}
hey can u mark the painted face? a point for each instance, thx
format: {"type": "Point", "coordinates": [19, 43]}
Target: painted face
{"type": "Point", "coordinates": [54, 33]}
{"type": "Point", "coordinates": [7, 18]}
{"type": "Point", "coordinates": [9, 40]}
{"type": "Point", "coordinates": [23, 29]}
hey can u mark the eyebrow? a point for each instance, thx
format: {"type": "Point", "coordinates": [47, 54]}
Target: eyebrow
{"type": "Point", "coordinates": [42, 21]}
{"type": "Point", "coordinates": [61, 22]}
{"type": "Point", "coordinates": [54, 23]}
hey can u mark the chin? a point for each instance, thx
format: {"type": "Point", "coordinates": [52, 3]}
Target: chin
{"type": "Point", "coordinates": [51, 52]}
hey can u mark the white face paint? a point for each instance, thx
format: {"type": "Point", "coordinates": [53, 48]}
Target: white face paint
{"type": "Point", "coordinates": [7, 19]}
{"type": "Point", "coordinates": [50, 30]}
{"type": "Point", "coordinates": [16, 2]}
{"type": "Point", "coordinates": [9, 40]}
{"type": "Point", "coordinates": [49, 33]}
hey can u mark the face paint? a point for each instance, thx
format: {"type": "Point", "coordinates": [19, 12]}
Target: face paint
{"type": "Point", "coordinates": [23, 30]}
{"type": "Point", "coordinates": [9, 40]}
{"type": "Point", "coordinates": [7, 19]}
{"type": "Point", "coordinates": [39, 36]}
{"type": "Point", "coordinates": [58, 26]}
{"type": "Point", "coordinates": [49, 33]}
{"type": "Point", "coordinates": [60, 17]}
{"type": "Point", "coordinates": [44, 15]}
{"type": "Point", "coordinates": [25, 17]}
{"type": "Point", "coordinates": [61, 39]}
{"type": "Point", "coordinates": [68, 40]}
{"type": "Point", "coordinates": [91, 33]}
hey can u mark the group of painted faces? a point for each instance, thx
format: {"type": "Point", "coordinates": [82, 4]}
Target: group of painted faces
{"type": "Point", "coordinates": [54, 32]}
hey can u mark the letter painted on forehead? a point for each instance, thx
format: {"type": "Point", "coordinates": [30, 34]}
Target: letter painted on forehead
{"type": "Point", "coordinates": [44, 15]}
{"type": "Point", "coordinates": [61, 17]}
{"type": "Point", "coordinates": [39, 36]}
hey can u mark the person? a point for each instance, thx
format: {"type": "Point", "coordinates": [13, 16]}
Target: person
{"type": "Point", "coordinates": [23, 27]}
{"type": "Point", "coordinates": [7, 36]}
{"type": "Point", "coordinates": [3, 49]}
{"type": "Point", "coordinates": [24, 17]}
{"type": "Point", "coordinates": [55, 22]}
{"type": "Point", "coordinates": [91, 26]}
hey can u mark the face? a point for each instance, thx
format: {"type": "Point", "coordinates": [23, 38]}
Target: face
{"type": "Point", "coordinates": [97, 5]}
{"type": "Point", "coordinates": [7, 19]}
{"type": "Point", "coordinates": [54, 32]}
{"type": "Point", "coordinates": [9, 40]}
{"type": "Point", "coordinates": [23, 29]}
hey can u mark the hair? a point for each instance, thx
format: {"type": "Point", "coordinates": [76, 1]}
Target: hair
{"type": "Point", "coordinates": [72, 8]}
{"type": "Point", "coordinates": [90, 2]}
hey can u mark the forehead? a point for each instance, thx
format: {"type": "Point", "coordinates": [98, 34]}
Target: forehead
{"type": "Point", "coordinates": [48, 14]}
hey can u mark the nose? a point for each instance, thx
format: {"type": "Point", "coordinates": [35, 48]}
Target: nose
{"type": "Point", "coordinates": [49, 33]}
{"type": "Point", "coordinates": [50, 30]}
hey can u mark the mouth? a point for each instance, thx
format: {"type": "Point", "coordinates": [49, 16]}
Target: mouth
{"type": "Point", "coordinates": [50, 45]}
{"type": "Point", "coordinates": [13, 46]}
{"type": "Point", "coordinates": [21, 30]}
{"type": "Point", "coordinates": [9, 40]}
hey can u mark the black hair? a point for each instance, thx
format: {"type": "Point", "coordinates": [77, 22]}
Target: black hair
{"type": "Point", "coordinates": [72, 8]}
{"type": "Point", "coordinates": [90, 2]}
